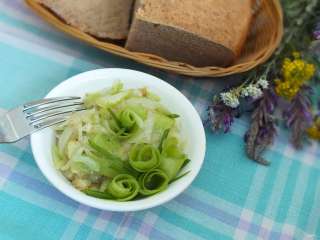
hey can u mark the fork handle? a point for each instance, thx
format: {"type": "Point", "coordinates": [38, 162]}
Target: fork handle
{"type": "Point", "coordinates": [3, 138]}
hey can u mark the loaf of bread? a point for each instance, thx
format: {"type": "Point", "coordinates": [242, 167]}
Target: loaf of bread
{"type": "Point", "coordinates": [100, 18]}
{"type": "Point", "coordinates": [201, 33]}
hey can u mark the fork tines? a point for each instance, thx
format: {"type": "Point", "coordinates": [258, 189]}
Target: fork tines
{"type": "Point", "coordinates": [47, 112]}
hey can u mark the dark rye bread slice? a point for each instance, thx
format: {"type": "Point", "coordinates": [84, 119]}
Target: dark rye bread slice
{"type": "Point", "coordinates": [177, 31]}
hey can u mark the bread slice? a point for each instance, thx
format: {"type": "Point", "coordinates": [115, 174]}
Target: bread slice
{"type": "Point", "coordinates": [201, 33]}
{"type": "Point", "coordinates": [101, 18]}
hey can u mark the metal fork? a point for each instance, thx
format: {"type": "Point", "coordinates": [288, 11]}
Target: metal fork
{"type": "Point", "coordinates": [34, 116]}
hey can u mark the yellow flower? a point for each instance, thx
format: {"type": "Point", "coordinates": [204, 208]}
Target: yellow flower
{"type": "Point", "coordinates": [285, 89]}
{"type": "Point", "coordinates": [296, 55]}
{"type": "Point", "coordinates": [314, 130]}
{"type": "Point", "coordinates": [295, 73]}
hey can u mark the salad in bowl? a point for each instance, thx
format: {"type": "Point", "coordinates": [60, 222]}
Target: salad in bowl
{"type": "Point", "coordinates": [139, 143]}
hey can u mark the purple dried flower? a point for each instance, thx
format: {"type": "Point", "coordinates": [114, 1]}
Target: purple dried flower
{"type": "Point", "coordinates": [221, 116]}
{"type": "Point", "coordinates": [315, 45]}
{"type": "Point", "coordinates": [262, 129]}
{"type": "Point", "coordinates": [298, 116]}
{"type": "Point", "coordinates": [316, 32]}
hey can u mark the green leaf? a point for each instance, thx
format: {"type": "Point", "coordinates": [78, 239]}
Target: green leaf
{"type": "Point", "coordinates": [98, 194]}
{"type": "Point", "coordinates": [185, 163]}
{"type": "Point", "coordinates": [179, 177]}
{"type": "Point", "coordinates": [172, 115]}
{"type": "Point", "coordinates": [163, 138]}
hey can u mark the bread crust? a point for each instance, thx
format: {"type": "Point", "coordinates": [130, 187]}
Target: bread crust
{"type": "Point", "coordinates": [177, 45]}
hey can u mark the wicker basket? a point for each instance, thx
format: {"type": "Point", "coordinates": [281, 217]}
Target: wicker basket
{"type": "Point", "coordinates": [265, 36]}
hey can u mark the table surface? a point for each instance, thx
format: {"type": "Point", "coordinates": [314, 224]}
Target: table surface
{"type": "Point", "coordinates": [232, 198]}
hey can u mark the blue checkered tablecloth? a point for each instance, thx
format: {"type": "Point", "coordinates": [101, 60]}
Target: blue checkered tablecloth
{"type": "Point", "coordinates": [232, 198]}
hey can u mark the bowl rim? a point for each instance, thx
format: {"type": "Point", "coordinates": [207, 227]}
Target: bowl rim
{"type": "Point", "coordinates": [111, 205]}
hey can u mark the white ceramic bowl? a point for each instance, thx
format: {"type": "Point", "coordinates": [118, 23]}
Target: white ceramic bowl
{"type": "Point", "coordinates": [91, 81]}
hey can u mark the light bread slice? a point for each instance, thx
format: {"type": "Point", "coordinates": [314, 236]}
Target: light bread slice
{"type": "Point", "coordinates": [201, 33]}
{"type": "Point", "coordinates": [100, 18]}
